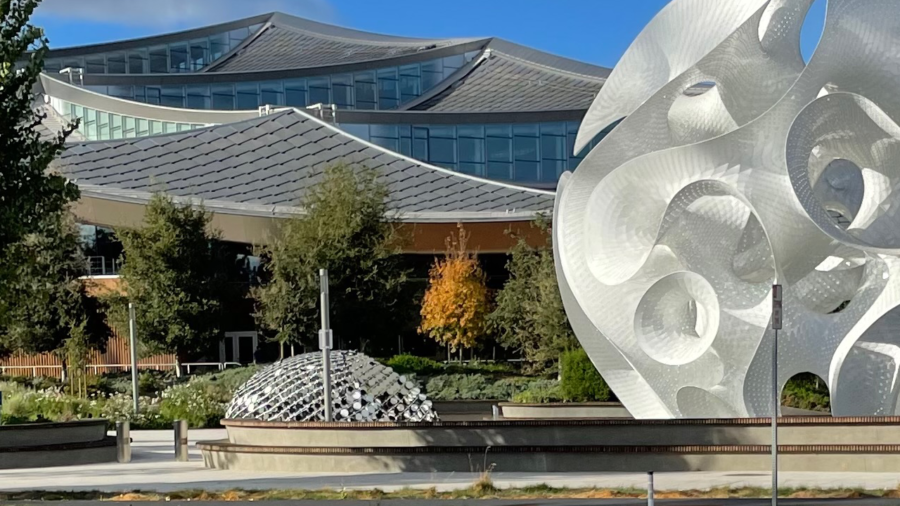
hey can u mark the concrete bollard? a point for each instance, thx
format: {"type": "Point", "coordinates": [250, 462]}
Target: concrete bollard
{"type": "Point", "coordinates": [649, 488]}
{"type": "Point", "coordinates": [123, 442]}
{"type": "Point", "coordinates": [181, 440]}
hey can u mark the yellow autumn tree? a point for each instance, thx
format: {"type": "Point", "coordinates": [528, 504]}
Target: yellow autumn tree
{"type": "Point", "coordinates": [455, 306]}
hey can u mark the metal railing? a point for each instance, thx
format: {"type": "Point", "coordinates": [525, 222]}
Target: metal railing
{"type": "Point", "coordinates": [94, 368]}
{"type": "Point", "coordinates": [102, 266]}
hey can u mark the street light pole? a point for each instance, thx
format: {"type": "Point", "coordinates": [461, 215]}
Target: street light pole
{"type": "Point", "coordinates": [326, 341]}
{"type": "Point", "coordinates": [132, 331]}
{"type": "Point", "coordinates": [776, 325]}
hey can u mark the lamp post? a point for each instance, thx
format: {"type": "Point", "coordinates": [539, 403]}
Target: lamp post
{"type": "Point", "coordinates": [132, 331]}
{"type": "Point", "coordinates": [326, 341]}
{"type": "Point", "coordinates": [777, 315]}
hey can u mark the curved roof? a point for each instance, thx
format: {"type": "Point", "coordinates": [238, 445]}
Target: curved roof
{"type": "Point", "coordinates": [265, 165]}
{"type": "Point", "coordinates": [509, 77]}
{"type": "Point", "coordinates": [289, 42]}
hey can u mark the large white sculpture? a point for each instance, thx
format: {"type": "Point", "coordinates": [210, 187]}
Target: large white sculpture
{"type": "Point", "coordinates": [672, 231]}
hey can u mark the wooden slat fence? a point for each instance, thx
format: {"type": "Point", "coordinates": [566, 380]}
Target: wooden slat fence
{"type": "Point", "coordinates": [117, 352]}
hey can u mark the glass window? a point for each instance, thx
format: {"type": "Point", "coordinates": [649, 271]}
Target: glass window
{"type": "Point", "coordinates": [471, 150]}
{"type": "Point", "coordinates": [498, 149]}
{"type": "Point", "coordinates": [499, 170]}
{"type": "Point", "coordinates": [138, 61]}
{"type": "Point", "coordinates": [361, 131]}
{"type": "Point", "coordinates": [95, 64]}
{"type": "Point", "coordinates": [452, 64]}
{"type": "Point", "coordinates": [222, 97]}
{"type": "Point", "coordinates": [384, 131]}
{"type": "Point", "coordinates": [388, 89]}
{"type": "Point", "coordinates": [116, 63]}
{"type": "Point", "coordinates": [218, 46]}
{"type": "Point", "coordinates": [272, 93]}
{"type": "Point", "coordinates": [159, 60]}
{"type": "Point", "coordinates": [172, 96]}
{"type": "Point", "coordinates": [553, 129]}
{"type": "Point", "coordinates": [410, 82]}
{"type": "Point", "coordinates": [471, 131]}
{"type": "Point", "coordinates": [319, 90]}
{"type": "Point", "coordinates": [74, 63]}
{"type": "Point", "coordinates": [531, 129]}
{"type": "Point", "coordinates": [476, 169]}
{"type": "Point", "coordinates": [130, 126]}
{"type": "Point", "coordinates": [526, 148]}
{"type": "Point", "coordinates": [442, 150]}
{"type": "Point", "coordinates": [420, 143]}
{"type": "Point", "coordinates": [199, 54]}
{"type": "Point", "coordinates": [102, 125]}
{"type": "Point", "coordinates": [178, 55]}
{"type": "Point", "coordinates": [552, 169]}
{"type": "Point", "coordinates": [126, 92]}
{"type": "Point", "coordinates": [142, 128]}
{"type": "Point", "coordinates": [153, 95]}
{"type": "Point", "coordinates": [526, 171]}
{"type": "Point", "coordinates": [295, 92]}
{"type": "Point", "coordinates": [169, 127]}
{"type": "Point", "coordinates": [52, 66]}
{"type": "Point", "coordinates": [247, 95]}
{"type": "Point", "coordinates": [446, 131]}
{"type": "Point", "coordinates": [198, 97]}
{"type": "Point", "coordinates": [342, 90]}
{"type": "Point", "coordinates": [432, 73]}
{"type": "Point", "coordinates": [364, 83]}
{"type": "Point", "coordinates": [156, 127]}
{"type": "Point", "coordinates": [183, 127]}
{"type": "Point", "coordinates": [387, 143]}
{"type": "Point", "coordinates": [237, 36]}
{"type": "Point", "coordinates": [553, 147]}
{"type": "Point", "coordinates": [498, 131]}
{"type": "Point", "coordinates": [140, 93]}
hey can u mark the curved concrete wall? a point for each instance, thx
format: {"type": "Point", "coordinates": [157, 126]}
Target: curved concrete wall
{"type": "Point", "coordinates": [857, 444]}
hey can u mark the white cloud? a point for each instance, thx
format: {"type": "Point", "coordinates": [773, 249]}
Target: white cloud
{"type": "Point", "coordinates": [179, 14]}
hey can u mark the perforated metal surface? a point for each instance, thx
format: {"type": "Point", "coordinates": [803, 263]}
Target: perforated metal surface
{"type": "Point", "coordinates": [362, 391]}
{"type": "Point", "coordinates": [673, 229]}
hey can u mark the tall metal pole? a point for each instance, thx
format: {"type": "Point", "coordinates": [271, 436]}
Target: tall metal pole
{"type": "Point", "coordinates": [776, 325]}
{"type": "Point", "coordinates": [325, 342]}
{"type": "Point", "coordinates": [132, 330]}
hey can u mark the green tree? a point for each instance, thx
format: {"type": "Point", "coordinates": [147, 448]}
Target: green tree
{"type": "Point", "coordinates": [51, 310]}
{"type": "Point", "coordinates": [174, 271]}
{"type": "Point", "coordinates": [28, 191]}
{"type": "Point", "coordinates": [346, 228]}
{"type": "Point", "coordinates": [529, 316]}
{"type": "Point", "coordinates": [579, 379]}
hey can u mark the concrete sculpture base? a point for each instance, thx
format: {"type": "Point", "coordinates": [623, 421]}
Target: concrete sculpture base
{"type": "Point", "coordinates": [838, 444]}
{"type": "Point", "coordinates": [55, 444]}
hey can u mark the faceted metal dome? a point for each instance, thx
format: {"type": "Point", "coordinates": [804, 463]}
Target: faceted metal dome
{"type": "Point", "coordinates": [362, 391]}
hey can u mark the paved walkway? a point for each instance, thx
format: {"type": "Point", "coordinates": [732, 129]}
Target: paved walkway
{"type": "Point", "coordinates": [153, 469]}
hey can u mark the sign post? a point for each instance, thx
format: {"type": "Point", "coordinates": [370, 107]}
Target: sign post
{"type": "Point", "coordinates": [326, 341]}
{"type": "Point", "coordinates": [132, 331]}
{"type": "Point", "coordinates": [777, 315]}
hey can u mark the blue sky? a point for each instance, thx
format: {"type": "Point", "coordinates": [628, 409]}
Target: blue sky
{"type": "Point", "coordinates": [595, 31]}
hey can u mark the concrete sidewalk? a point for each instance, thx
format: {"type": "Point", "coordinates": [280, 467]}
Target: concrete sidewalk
{"type": "Point", "coordinates": [153, 469]}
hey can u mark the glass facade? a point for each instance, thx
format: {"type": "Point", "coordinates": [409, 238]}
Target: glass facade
{"type": "Point", "coordinates": [101, 125]}
{"type": "Point", "coordinates": [522, 152]}
{"type": "Point", "coordinates": [382, 89]}
{"type": "Point", "coordinates": [184, 56]}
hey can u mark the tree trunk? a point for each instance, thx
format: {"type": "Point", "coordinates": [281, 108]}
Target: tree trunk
{"type": "Point", "coordinates": [280, 352]}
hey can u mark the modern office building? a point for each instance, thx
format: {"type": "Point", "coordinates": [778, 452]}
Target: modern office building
{"type": "Point", "coordinates": [480, 106]}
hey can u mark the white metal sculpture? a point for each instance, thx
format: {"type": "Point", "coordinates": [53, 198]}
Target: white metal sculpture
{"type": "Point", "coordinates": [362, 391]}
{"type": "Point", "coordinates": [673, 229]}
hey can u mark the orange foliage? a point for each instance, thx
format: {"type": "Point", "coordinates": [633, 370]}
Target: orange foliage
{"type": "Point", "coordinates": [455, 306]}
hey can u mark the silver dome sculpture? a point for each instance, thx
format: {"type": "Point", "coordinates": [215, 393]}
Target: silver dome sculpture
{"type": "Point", "coordinates": [739, 165]}
{"type": "Point", "coordinates": [362, 391]}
